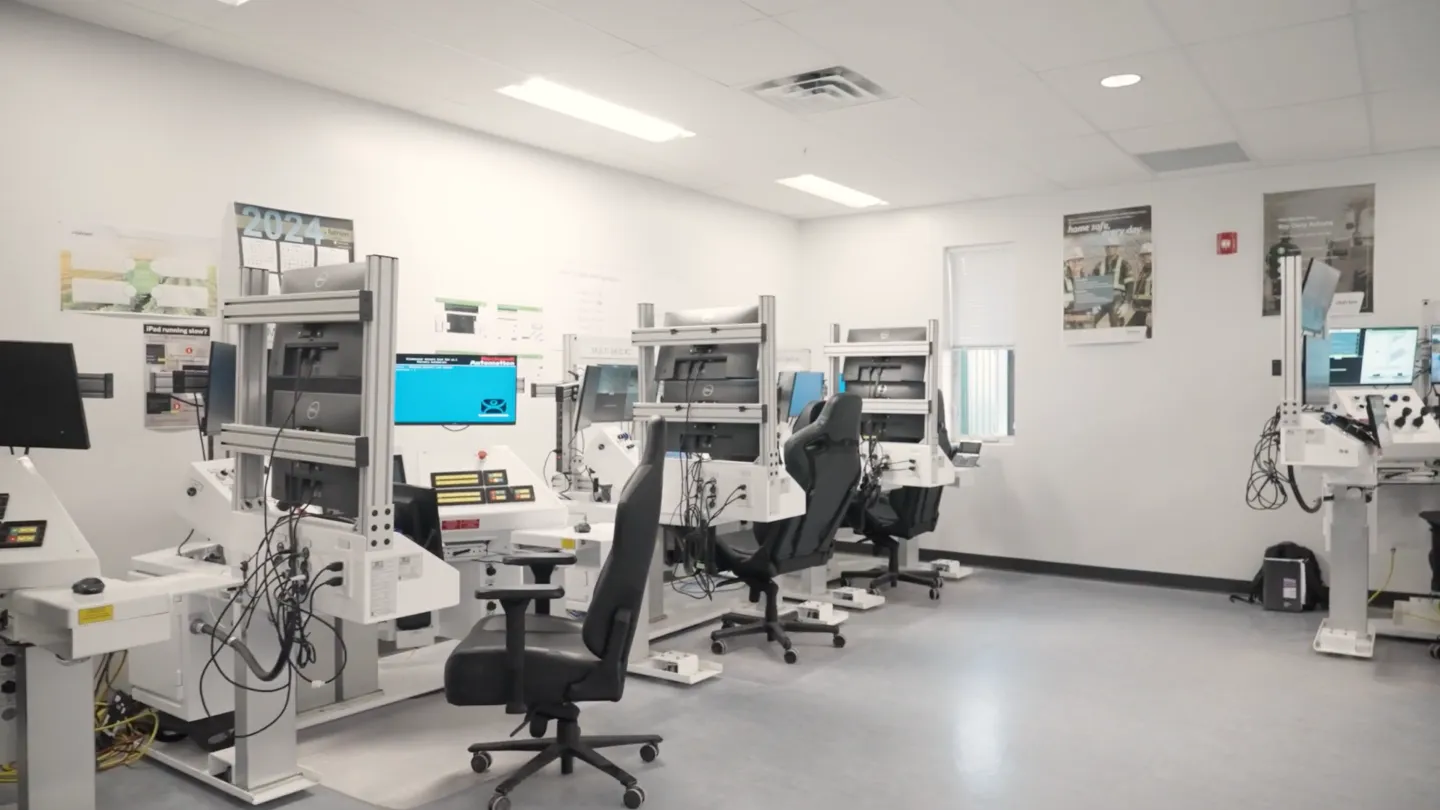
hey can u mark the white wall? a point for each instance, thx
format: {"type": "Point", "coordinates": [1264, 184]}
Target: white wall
{"type": "Point", "coordinates": [100, 127]}
{"type": "Point", "coordinates": [1136, 456]}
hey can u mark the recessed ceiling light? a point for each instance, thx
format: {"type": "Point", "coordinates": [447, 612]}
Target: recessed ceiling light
{"type": "Point", "coordinates": [234, 2]}
{"type": "Point", "coordinates": [832, 191]}
{"type": "Point", "coordinates": [564, 100]}
{"type": "Point", "coordinates": [1120, 80]}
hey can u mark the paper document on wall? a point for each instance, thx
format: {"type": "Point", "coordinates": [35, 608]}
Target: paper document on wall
{"type": "Point", "coordinates": [113, 271]}
{"type": "Point", "coordinates": [171, 348]}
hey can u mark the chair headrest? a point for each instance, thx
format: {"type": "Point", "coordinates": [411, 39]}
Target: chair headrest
{"type": "Point", "coordinates": [837, 421]}
{"type": "Point", "coordinates": [809, 414]}
{"type": "Point", "coordinates": [654, 440]}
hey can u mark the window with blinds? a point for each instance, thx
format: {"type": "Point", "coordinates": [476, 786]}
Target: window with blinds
{"type": "Point", "coordinates": [982, 293]}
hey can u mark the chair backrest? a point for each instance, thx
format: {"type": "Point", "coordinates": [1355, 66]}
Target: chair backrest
{"type": "Point", "coordinates": [824, 458]}
{"type": "Point", "coordinates": [808, 414]}
{"type": "Point", "coordinates": [622, 581]}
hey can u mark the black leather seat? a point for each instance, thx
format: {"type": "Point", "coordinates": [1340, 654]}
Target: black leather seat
{"type": "Point", "coordinates": [822, 455]}
{"type": "Point", "coordinates": [889, 519]}
{"type": "Point", "coordinates": [543, 675]}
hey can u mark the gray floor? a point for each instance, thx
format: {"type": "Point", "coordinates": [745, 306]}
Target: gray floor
{"type": "Point", "coordinates": [1012, 692]}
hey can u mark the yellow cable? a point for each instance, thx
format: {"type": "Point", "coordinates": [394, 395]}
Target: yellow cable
{"type": "Point", "coordinates": [1376, 595]}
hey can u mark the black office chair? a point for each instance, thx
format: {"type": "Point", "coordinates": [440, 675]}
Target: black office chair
{"type": "Point", "coordinates": [888, 519]}
{"type": "Point", "coordinates": [822, 455]}
{"type": "Point", "coordinates": [544, 675]}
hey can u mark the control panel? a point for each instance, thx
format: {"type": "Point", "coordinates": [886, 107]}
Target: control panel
{"type": "Point", "coordinates": [1411, 429]}
{"type": "Point", "coordinates": [22, 534]}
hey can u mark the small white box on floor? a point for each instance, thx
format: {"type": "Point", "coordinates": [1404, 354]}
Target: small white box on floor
{"type": "Point", "coordinates": [678, 663]}
{"type": "Point", "coordinates": [952, 569]}
{"type": "Point", "coordinates": [821, 612]}
{"type": "Point", "coordinates": [856, 598]}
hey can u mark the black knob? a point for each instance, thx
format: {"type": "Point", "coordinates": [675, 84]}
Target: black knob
{"type": "Point", "coordinates": [1406, 412]}
{"type": "Point", "coordinates": [1400, 423]}
{"type": "Point", "coordinates": [1406, 397]}
{"type": "Point", "coordinates": [1419, 420]}
{"type": "Point", "coordinates": [8, 687]}
{"type": "Point", "coordinates": [489, 570]}
{"type": "Point", "coordinates": [8, 660]}
{"type": "Point", "coordinates": [191, 491]}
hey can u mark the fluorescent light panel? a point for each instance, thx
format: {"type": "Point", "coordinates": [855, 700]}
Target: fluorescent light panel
{"type": "Point", "coordinates": [234, 2]}
{"type": "Point", "coordinates": [567, 101]}
{"type": "Point", "coordinates": [1120, 80]}
{"type": "Point", "coordinates": [832, 191]}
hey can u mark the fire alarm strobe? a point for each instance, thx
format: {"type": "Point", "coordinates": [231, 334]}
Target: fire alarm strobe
{"type": "Point", "coordinates": [1226, 243]}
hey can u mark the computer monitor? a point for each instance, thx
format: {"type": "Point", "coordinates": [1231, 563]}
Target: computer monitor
{"type": "Point", "coordinates": [220, 388]}
{"type": "Point", "coordinates": [719, 361]}
{"type": "Point", "coordinates": [1373, 356]}
{"type": "Point", "coordinates": [397, 471]}
{"type": "Point", "coordinates": [315, 380]}
{"type": "Point", "coordinates": [882, 377]}
{"type": "Point", "coordinates": [1435, 355]}
{"type": "Point", "coordinates": [1316, 294]}
{"type": "Point", "coordinates": [607, 394]}
{"type": "Point", "coordinates": [451, 389]}
{"type": "Point", "coordinates": [42, 407]}
{"type": "Point", "coordinates": [720, 442]}
{"type": "Point", "coordinates": [798, 389]}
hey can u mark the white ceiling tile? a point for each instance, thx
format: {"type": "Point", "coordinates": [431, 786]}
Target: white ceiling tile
{"type": "Point", "coordinates": [645, 82]}
{"type": "Point", "coordinates": [781, 199]}
{"type": "Point", "coordinates": [212, 14]}
{"type": "Point", "coordinates": [1175, 135]}
{"type": "Point", "coordinates": [1321, 130]}
{"type": "Point", "coordinates": [517, 33]}
{"type": "Point", "coordinates": [1370, 5]}
{"type": "Point", "coordinates": [1003, 108]}
{"type": "Point", "coordinates": [1406, 119]}
{"type": "Point", "coordinates": [774, 7]}
{"type": "Point", "coordinates": [1170, 91]}
{"type": "Point", "coordinates": [1049, 34]}
{"type": "Point", "coordinates": [1398, 46]}
{"type": "Point", "coordinates": [1292, 66]}
{"type": "Point", "coordinates": [747, 53]}
{"type": "Point", "coordinates": [1091, 160]}
{"type": "Point", "coordinates": [648, 23]}
{"type": "Point", "coordinates": [119, 16]}
{"type": "Point", "coordinates": [1201, 20]}
{"type": "Point", "coordinates": [905, 45]}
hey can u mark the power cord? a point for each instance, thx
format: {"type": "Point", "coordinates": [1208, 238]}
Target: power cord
{"type": "Point", "coordinates": [1268, 488]}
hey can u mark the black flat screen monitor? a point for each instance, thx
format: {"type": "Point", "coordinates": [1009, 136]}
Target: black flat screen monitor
{"type": "Point", "coordinates": [220, 388]}
{"type": "Point", "coordinates": [607, 394]}
{"type": "Point", "coordinates": [720, 442]}
{"type": "Point", "coordinates": [41, 406]}
{"type": "Point", "coordinates": [885, 377]}
{"type": "Point", "coordinates": [719, 361]}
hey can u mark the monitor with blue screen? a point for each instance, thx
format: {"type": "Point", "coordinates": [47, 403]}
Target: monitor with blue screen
{"type": "Point", "coordinates": [809, 386]}
{"type": "Point", "coordinates": [446, 389]}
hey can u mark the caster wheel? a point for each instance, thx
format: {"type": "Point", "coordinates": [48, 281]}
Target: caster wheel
{"type": "Point", "coordinates": [839, 641]}
{"type": "Point", "coordinates": [934, 593]}
{"type": "Point", "coordinates": [634, 797]}
{"type": "Point", "coordinates": [791, 657]}
{"type": "Point", "coordinates": [500, 802]}
{"type": "Point", "coordinates": [649, 751]}
{"type": "Point", "coordinates": [873, 591]}
{"type": "Point", "coordinates": [718, 647]}
{"type": "Point", "coordinates": [480, 763]}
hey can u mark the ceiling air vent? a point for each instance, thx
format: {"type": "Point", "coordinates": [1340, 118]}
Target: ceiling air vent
{"type": "Point", "coordinates": [818, 91]}
{"type": "Point", "coordinates": [1195, 157]}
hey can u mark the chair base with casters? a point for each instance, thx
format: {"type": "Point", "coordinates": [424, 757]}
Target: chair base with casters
{"type": "Point", "coordinates": [567, 746]}
{"type": "Point", "coordinates": [775, 628]}
{"type": "Point", "coordinates": [892, 574]}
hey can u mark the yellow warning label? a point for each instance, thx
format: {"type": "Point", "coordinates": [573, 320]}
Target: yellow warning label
{"type": "Point", "coordinates": [567, 543]}
{"type": "Point", "coordinates": [444, 480]}
{"type": "Point", "coordinates": [96, 615]}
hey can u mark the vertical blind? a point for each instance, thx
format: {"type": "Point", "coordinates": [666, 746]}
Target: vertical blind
{"type": "Point", "coordinates": [982, 336]}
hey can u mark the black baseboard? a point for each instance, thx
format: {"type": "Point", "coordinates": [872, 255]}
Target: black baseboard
{"type": "Point", "coordinates": [1125, 576]}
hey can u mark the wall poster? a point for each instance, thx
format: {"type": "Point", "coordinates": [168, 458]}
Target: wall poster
{"type": "Point", "coordinates": [1335, 225]}
{"type": "Point", "coordinates": [1109, 276]}
{"type": "Point", "coordinates": [114, 271]}
{"type": "Point", "coordinates": [170, 348]}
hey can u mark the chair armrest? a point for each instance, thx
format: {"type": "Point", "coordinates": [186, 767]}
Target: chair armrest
{"type": "Point", "coordinates": [520, 594]}
{"type": "Point", "coordinates": [539, 558]}
{"type": "Point", "coordinates": [514, 600]}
